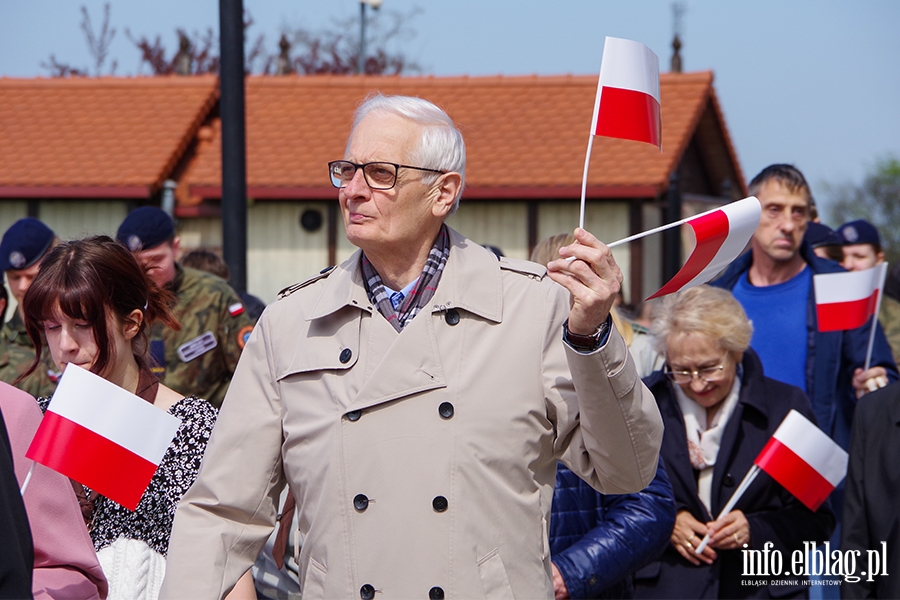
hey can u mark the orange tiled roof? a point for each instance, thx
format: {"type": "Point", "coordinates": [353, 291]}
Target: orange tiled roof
{"type": "Point", "coordinates": [97, 137]}
{"type": "Point", "coordinates": [526, 136]}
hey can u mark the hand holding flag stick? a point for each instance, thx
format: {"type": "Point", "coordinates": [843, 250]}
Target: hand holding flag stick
{"type": "Point", "coordinates": [799, 456]}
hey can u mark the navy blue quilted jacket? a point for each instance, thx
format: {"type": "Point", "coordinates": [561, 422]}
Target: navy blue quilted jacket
{"type": "Point", "coordinates": [597, 540]}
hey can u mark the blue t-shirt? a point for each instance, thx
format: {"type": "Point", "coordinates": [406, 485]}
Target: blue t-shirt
{"type": "Point", "coordinates": [778, 313]}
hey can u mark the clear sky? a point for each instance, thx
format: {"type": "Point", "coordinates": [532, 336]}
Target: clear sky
{"type": "Point", "coordinates": [811, 82]}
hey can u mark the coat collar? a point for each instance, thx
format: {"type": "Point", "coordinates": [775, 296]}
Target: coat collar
{"type": "Point", "coordinates": [471, 280]}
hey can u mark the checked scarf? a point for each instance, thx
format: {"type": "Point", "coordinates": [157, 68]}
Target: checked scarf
{"type": "Point", "coordinates": [422, 292]}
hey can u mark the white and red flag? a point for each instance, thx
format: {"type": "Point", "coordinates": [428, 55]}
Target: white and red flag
{"type": "Point", "coordinates": [847, 300]}
{"type": "Point", "coordinates": [799, 456]}
{"type": "Point", "coordinates": [720, 236]}
{"type": "Point", "coordinates": [627, 103]}
{"type": "Point", "coordinates": [102, 436]}
{"type": "Point", "coordinates": [803, 459]}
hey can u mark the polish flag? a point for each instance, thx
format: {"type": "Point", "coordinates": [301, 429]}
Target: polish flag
{"type": "Point", "coordinates": [721, 235]}
{"type": "Point", "coordinates": [803, 459]}
{"type": "Point", "coordinates": [102, 436]}
{"type": "Point", "coordinates": [627, 104]}
{"type": "Point", "coordinates": [847, 300]}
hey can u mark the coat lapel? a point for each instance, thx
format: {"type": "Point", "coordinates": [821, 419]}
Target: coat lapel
{"type": "Point", "coordinates": [408, 363]}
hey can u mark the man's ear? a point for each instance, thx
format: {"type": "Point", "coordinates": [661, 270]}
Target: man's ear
{"type": "Point", "coordinates": [448, 187]}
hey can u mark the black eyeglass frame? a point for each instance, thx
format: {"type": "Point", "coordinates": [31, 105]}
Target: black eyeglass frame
{"type": "Point", "coordinates": [363, 166]}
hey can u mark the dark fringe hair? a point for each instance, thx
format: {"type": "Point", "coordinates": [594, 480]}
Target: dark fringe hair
{"type": "Point", "coordinates": [89, 279]}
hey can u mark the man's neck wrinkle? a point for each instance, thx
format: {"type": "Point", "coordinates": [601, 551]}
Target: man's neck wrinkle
{"type": "Point", "coordinates": [766, 273]}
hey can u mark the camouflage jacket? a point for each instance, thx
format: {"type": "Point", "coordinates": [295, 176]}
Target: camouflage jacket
{"type": "Point", "coordinates": [889, 315]}
{"type": "Point", "coordinates": [16, 358]}
{"type": "Point", "coordinates": [201, 358]}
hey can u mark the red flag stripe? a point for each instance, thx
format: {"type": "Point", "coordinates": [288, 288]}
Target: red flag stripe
{"type": "Point", "coordinates": [629, 115]}
{"type": "Point", "coordinates": [92, 460]}
{"type": "Point", "coordinates": [838, 316]}
{"type": "Point", "coordinates": [710, 231]}
{"type": "Point", "coordinates": [795, 474]}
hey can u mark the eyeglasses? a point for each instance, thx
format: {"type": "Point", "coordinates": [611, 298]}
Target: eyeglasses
{"type": "Point", "coordinates": [707, 374]}
{"type": "Point", "coordinates": [379, 175]}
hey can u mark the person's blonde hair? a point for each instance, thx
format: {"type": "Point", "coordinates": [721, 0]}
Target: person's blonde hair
{"type": "Point", "coordinates": [548, 249]}
{"type": "Point", "coordinates": [705, 310]}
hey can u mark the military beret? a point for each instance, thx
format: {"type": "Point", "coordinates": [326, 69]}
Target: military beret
{"type": "Point", "coordinates": [144, 228]}
{"type": "Point", "coordinates": [24, 243]}
{"type": "Point", "coordinates": [818, 235]}
{"type": "Point", "coordinates": [859, 232]}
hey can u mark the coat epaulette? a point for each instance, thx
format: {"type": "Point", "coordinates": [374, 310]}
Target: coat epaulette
{"type": "Point", "coordinates": [297, 286]}
{"type": "Point", "coordinates": [525, 267]}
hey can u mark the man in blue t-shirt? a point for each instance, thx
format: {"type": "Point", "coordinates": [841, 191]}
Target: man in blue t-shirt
{"type": "Point", "coordinates": [773, 282]}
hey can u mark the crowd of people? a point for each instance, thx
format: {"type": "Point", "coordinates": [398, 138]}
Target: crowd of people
{"type": "Point", "coordinates": [433, 419]}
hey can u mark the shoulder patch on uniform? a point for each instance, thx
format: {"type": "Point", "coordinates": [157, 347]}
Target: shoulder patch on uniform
{"type": "Point", "coordinates": [526, 267]}
{"type": "Point", "coordinates": [298, 286]}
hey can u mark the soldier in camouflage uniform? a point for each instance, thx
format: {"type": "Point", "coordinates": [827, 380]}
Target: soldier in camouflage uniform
{"type": "Point", "coordinates": [201, 358]}
{"type": "Point", "coordinates": [23, 246]}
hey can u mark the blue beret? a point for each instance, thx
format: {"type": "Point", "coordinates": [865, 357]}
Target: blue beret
{"type": "Point", "coordinates": [144, 228]}
{"type": "Point", "coordinates": [24, 243]}
{"type": "Point", "coordinates": [859, 232]}
{"type": "Point", "coordinates": [818, 235]}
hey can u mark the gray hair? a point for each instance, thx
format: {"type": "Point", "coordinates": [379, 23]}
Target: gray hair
{"type": "Point", "coordinates": [704, 310]}
{"type": "Point", "coordinates": [441, 146]}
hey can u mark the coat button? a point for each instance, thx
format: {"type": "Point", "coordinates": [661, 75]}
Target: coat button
{"type": "Point", "coordinates": [445, 410]}
{"type": "Point", "coordinates": [439, 503]}
{"type": "Point", "coordinates": [360, 502]}
{"type": "Point", "coordinates": [346, 355]}
{"type": "Point", "coordinates": [354, 415]}
{"type": "Point", "coordinates": [728, 480]}
{"type": "Point", "coordinates": [367, 592]}
{"type": "Point", "coordinates": [436, 593]}
{"type": "Point", "coordinates": [452, 317]}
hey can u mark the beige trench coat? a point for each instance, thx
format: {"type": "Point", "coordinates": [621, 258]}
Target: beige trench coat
{"type": "Point", "coordinates": [423, 463]}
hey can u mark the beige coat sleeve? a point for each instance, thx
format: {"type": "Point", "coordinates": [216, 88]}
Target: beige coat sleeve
{"type": "Point", "coordinates": [609, 429]}
{"type": "Point", "coordinates": [224, 519]}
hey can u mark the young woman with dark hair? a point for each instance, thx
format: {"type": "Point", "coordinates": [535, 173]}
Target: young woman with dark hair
{"type": "Point", "coordinates": [92, 304]}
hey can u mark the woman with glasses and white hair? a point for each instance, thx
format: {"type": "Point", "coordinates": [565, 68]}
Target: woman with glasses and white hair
{"type": "Point", "coordinates": [720, 410]}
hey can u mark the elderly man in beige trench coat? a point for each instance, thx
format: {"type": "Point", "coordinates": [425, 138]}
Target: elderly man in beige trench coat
{"type": "Point", "coordinates": [417, 397]}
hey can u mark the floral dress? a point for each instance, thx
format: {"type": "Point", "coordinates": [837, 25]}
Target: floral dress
{"type": "Point", "coordinates": [132, 545]}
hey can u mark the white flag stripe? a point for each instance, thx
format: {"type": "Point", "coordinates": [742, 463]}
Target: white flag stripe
{"type": "Point", "coordinates": [847, 287]}
{"type": "Point", "coordinates": [743, 219]}
{"type": "Point", "coordinates": [814, 446]}
{"type": "Point", "coordinates": [109, 411]}
{"type": "Point", "coordinates": [628, 65]}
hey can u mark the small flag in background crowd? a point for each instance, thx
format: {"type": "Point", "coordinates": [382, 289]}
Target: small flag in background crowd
{"type": "Point", "coordinates": [803, 459]}
{"type": "Point", "coordinates": [102, 436]}
{"type": "Point", "coordinates": [627, 103]}
{"type": "Point", "coordinates": [799, 456]}
{"type": "Point", "coordinates": [847, 300]}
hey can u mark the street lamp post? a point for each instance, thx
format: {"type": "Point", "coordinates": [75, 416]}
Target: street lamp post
{"type": "Point", "coordinates": [361, 59]}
